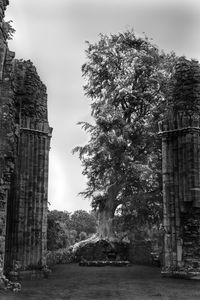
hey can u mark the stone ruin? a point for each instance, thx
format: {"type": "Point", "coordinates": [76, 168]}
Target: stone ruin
{"type": "Point", "coordinates": [24, 150]}
{"type": "Point", "coordinates": [181, 174]}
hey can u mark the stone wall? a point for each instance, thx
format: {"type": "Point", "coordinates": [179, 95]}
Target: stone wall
{"type": "Point", "coordinates": [24, 148]}
{"type": "Point", "coordinates": [27, 204]}
{"type": "Point", "coordinates": [140, 252]}
{"type": "Point", "coordinates": [102, 250]}
{"type": "Point", "coordinates": [7, 126]}
{"type": "Point", "coordinates": [181, 173]}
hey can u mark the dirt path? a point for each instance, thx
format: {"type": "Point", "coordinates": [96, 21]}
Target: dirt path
{"type": "Point", "coordinates": [117, 283]}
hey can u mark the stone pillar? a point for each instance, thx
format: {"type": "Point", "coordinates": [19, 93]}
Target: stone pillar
{"type": "Point", "coordinates": [26, 239]}
{"type": "Point", "coordinates": [28, 226]}
{"type": "Point", "coordinates": [181, 174]}
{"type": "Point", "coordinates": [24, 146]}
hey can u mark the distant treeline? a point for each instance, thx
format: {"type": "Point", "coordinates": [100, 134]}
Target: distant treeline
{"type": "Point", "coordinates": [65, 229]}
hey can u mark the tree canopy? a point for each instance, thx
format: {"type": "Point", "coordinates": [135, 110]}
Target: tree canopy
{"type": "Point", "coordinates": [128, 82]}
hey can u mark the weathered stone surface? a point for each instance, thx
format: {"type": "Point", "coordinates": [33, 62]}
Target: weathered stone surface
{"type": "Point", "coordinates": [140, 252]}
{"type": "Point", "coordinates": [102, 250]}
{"type": "Point", "coordinates": [24, 147]}
{"type": "Point", "coordinates": [27, 204]}
{"type": "Point", "coordinates": [181, 173]}
{"type": "Point", "coordinates": [102, 263]}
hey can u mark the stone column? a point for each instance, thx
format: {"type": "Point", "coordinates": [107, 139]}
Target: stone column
{"type": "Point", "coordinates": [26, 238]}
{"type": "Point", "coordinates": [181, 174]}
{"type": "Point", "coordinates": [24, 146]}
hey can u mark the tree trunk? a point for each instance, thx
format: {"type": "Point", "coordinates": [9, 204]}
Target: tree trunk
{"type": "Point", "coordinates": [105, 224]}
{"type": "Point", "coordinates": [105, 217]}
{"type": "Point", "coordinates": [106, 213]}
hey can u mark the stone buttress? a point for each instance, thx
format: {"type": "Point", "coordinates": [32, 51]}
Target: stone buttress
{"type": "Point", "coordinates": [181, 174]}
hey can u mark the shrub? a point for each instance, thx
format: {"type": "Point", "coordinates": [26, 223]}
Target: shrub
{"type": "Point", "coordinates": [61, 256]}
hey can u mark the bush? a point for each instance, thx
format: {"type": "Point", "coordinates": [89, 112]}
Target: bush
{"type": "Point", "coordinates": [65, 229]}
{"type": "Point", "coordinates": [61, 256]}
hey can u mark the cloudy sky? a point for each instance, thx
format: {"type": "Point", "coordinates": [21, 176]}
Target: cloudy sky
{"type": "Point", "coordinates": [52, 33]}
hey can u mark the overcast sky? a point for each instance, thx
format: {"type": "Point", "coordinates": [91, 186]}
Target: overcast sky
{"type": "Point", "coordinates": [52, 33]}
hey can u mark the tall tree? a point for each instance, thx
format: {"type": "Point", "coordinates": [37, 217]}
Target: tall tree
{"type": "Point", "coordinates": [128, 83]}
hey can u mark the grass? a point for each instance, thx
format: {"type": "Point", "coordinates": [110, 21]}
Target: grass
{"type": "Point", "coordinates": [127, 283]}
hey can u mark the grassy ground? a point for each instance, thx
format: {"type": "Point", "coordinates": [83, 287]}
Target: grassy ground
{"type": "Point", "coordinates": [125, 283]}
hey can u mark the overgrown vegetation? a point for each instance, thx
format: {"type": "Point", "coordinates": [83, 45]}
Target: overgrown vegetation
{"type": "Point", "coordinates": [128, 84]}
{"type": "Point", "coordinates": [65, 229]}
{"type": "Point", "coordinates": [8, 29]}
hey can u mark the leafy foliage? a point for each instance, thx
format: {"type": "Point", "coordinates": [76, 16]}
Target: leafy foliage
{"type": "Point", "coordinates": [125, 73]}
{"type": "Point", "coordinates": [60, 256]}
{"type": "Point", "coordinates": [8, 30]}
{"type": "Point", "coordinates": [129, 85]}
{"type": "Point", "coordinates": [82, 221]}
{"type": "Point", "coordinates": [57, 236]}
{"type": "Point", "coordinates": [65, 229]}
